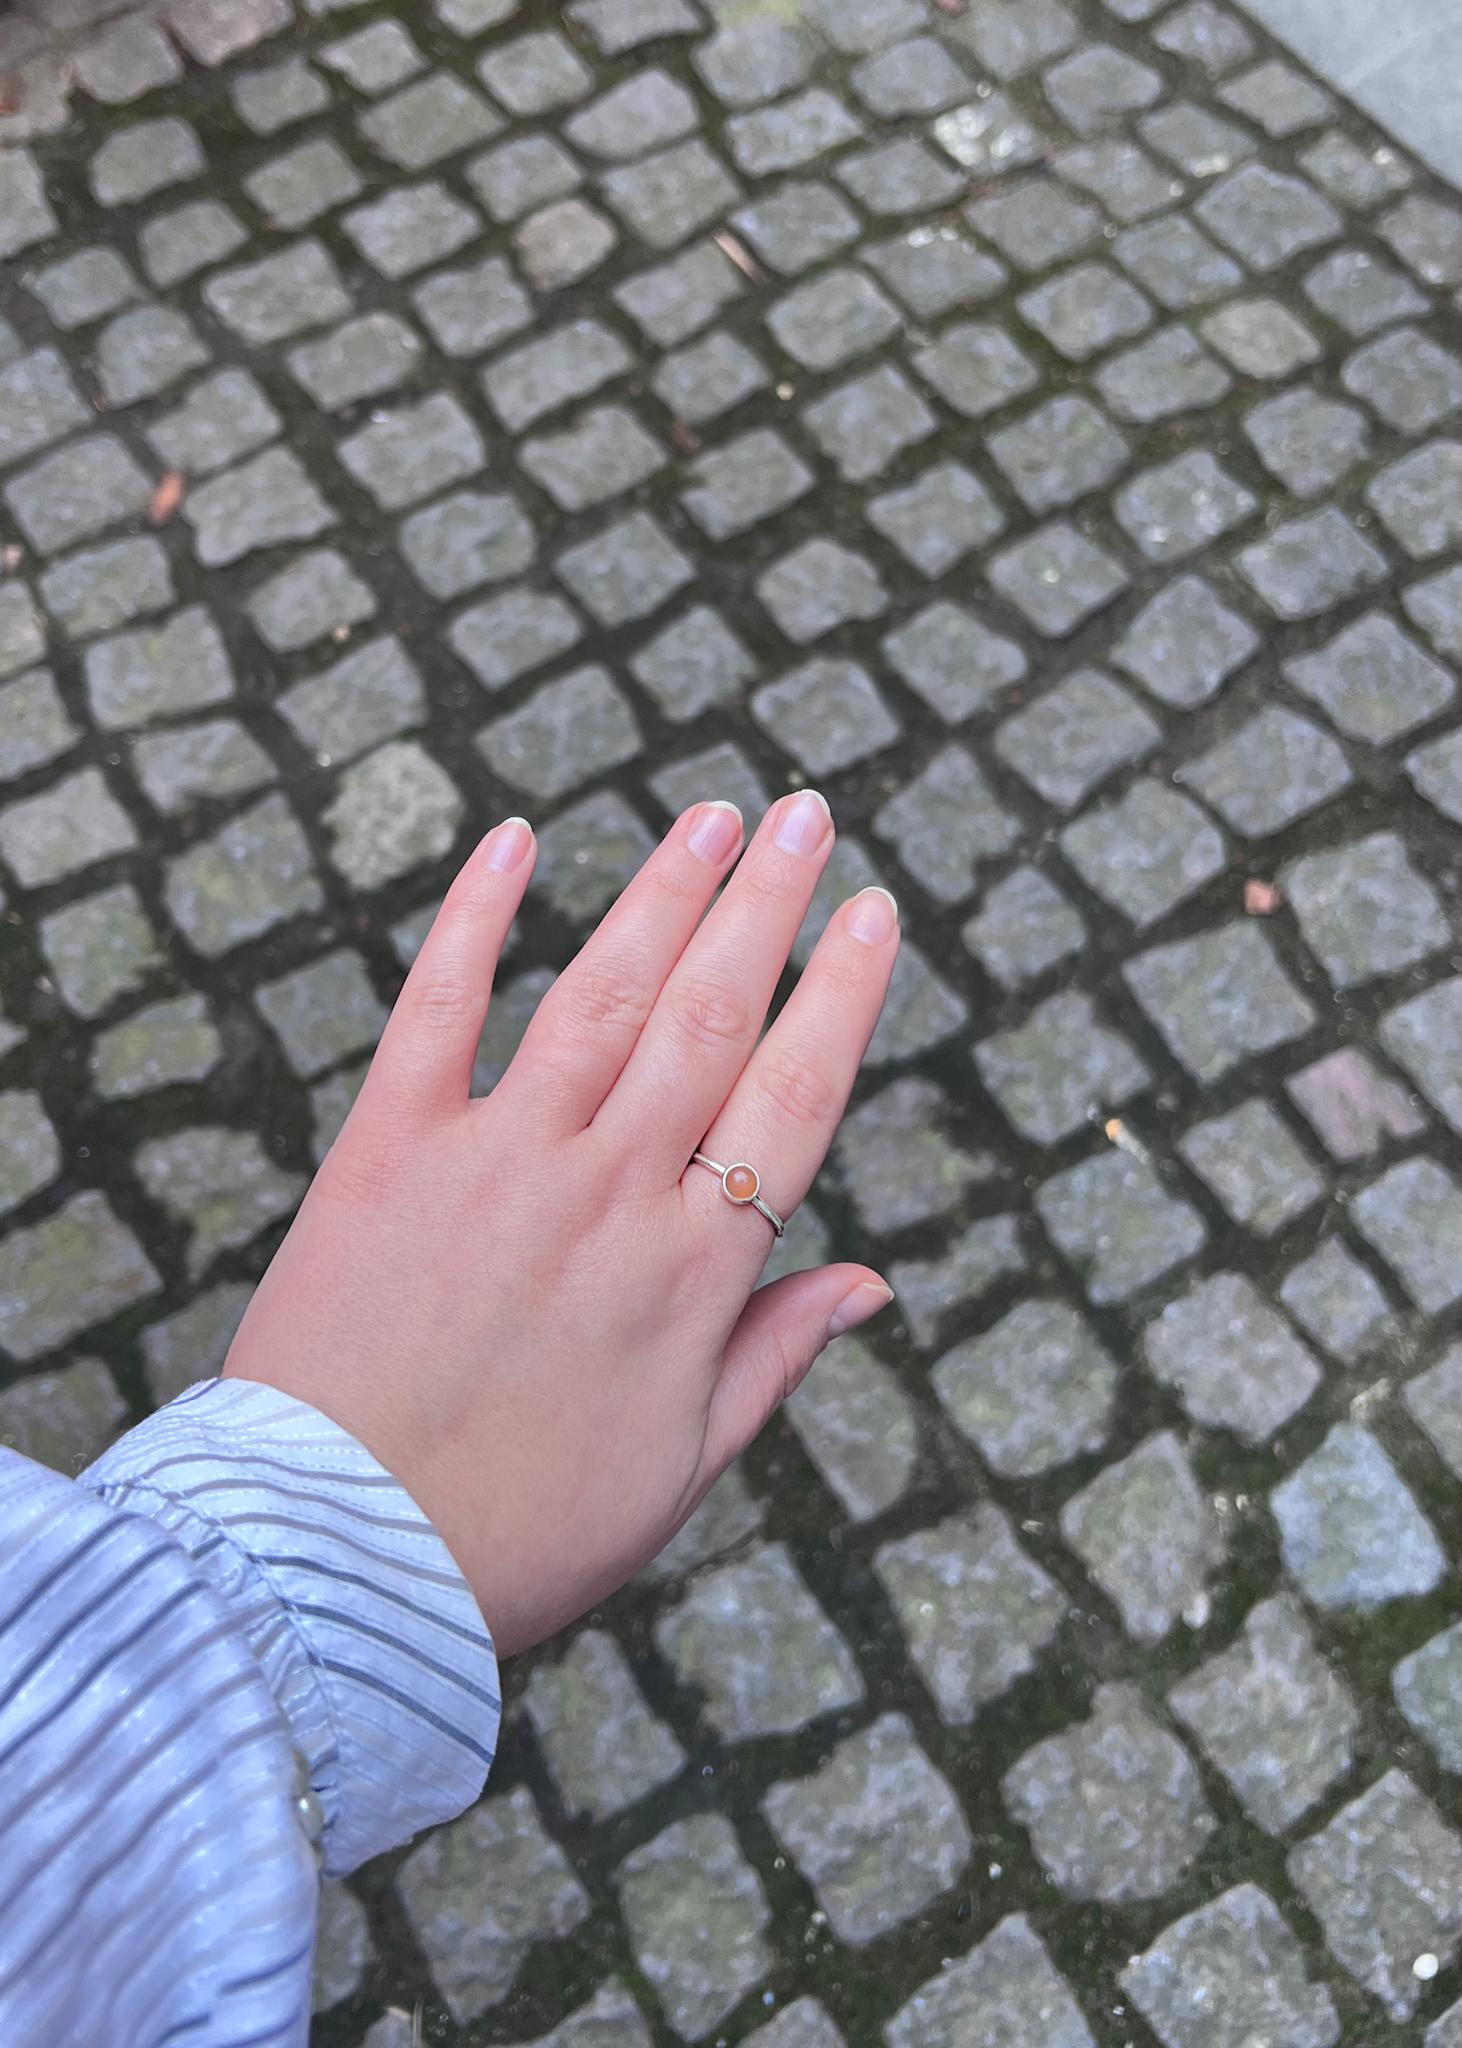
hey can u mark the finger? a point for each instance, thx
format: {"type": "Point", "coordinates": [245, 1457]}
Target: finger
{"type": "Point", "coordinates": [587, 1024]}
{"type": "Point", "coordinates": [789, 1100]}
{"type": "Point", "coordinates": [701, 1032]}
{"type": "Point", "coordinates": [772, 1348]}
{"type": "Point", "coordinates": [424, 1060]}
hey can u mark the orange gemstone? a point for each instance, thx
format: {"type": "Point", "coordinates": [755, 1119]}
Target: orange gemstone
{"type": "Point", "coordinates": [740, 1182]}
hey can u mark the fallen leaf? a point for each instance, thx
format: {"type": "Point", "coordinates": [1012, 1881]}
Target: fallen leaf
{"type": "Point", "coordinates": [1261, 899]}
{"type": "Point", "coordinates": [166, 499]}
{"type": "Point", "coordinates": [731, 246]}
{"type": "Point", "coordinates": [12, 92]}
{"type": "Point", "coordinates": [685, 437]}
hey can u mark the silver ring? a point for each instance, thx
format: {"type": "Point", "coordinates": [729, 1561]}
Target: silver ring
{"type": "Point", "coordinates": [746, 1195]}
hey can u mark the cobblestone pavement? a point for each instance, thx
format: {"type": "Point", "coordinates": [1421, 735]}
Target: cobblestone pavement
{"type": "Point", "coordinates": [1034, 420]}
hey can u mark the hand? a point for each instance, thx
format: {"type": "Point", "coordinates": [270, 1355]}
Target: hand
{"type": "Point", "coordinates": [533, 1309]}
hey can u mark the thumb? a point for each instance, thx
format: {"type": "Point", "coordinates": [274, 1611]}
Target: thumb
{"type": "Point", "coordinates": [771, 1350]}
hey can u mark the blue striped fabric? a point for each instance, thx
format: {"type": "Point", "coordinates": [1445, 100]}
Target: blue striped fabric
{"type": "Point", "coordinates": [233, 1650]}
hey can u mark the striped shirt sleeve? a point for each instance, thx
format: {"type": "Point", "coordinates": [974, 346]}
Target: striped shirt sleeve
{"type": "Point", "coordinates": [233, 1651]}
{"type": "Point", "coordinates": [371, 1642]}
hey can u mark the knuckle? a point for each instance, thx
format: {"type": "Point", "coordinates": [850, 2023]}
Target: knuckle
{"type": "Point", "coordinates": [761, 883]}
{"type": "Point", "coordinates": [440, 1001]}
{"type": "Point", "coordinates": [599, 999]}
{"type": "Point", "coordinates": [710, 1014]}
{"type": "Point", "coordinates": [672, 883]}
{"type": "Point", "coordinates": [841, 976]}
{"type": "Point", "coordinates": [797, 1087]}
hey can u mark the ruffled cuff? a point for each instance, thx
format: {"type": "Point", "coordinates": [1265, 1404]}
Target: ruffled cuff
{"type": "Point", "coordinates": [370, 1641]}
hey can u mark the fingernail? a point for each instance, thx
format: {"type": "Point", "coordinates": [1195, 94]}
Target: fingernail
{"type": "Point", "coordinates": [865, 1300]}
{"type": "Point", "coordinates": [804, 823]}
{"type": "Point", "coordinates": [716, 833]}
{"type": "Point", "coordinates": [873, 916]}
{"type": "Point", "coordinates": [508, 843]}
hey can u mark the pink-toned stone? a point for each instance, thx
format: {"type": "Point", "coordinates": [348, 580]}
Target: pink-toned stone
{"type": "Point", "coordinates": [1354, 1109]}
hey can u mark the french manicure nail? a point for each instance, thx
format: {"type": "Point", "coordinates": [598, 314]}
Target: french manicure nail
{"type": "Point", "coordinates": [873, 916]}
{"type": "Point", "coordinates": [508, 843]}
{"type": "Point", "coordinates": [865, 1300]}
{"type": "Point", "coordinates": [716, 831]}
{"type": "Point", "coordinates": [804, 823]}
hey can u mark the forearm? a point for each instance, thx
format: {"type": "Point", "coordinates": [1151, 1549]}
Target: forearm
{"type": "Point", "coordinates": [233, 1651]}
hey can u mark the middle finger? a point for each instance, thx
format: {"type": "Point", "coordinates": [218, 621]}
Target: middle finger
{"type": "Point", "coordinates": [705, 1023]}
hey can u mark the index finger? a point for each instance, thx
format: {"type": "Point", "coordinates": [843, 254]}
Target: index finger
{"type": "Point", "coordinates": [426, 1051]}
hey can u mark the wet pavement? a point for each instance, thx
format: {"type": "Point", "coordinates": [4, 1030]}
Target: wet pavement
{"type": "Point", "coordinates": [1036, 423]}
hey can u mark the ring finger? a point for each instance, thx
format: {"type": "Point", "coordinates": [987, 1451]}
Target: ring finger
{"type": "Point", "coordinates": [783, 1111]}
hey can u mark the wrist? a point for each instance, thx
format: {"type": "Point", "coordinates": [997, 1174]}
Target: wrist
{"type": "Point", "coordinates": [353, 1608]}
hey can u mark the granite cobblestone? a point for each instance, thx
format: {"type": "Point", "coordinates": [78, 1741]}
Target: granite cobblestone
{"type": "Point", "coordinates": [1036, 422]}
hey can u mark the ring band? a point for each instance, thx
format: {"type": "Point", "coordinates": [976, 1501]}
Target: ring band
{"type": "Point", "coordinates": [741, 1184]}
